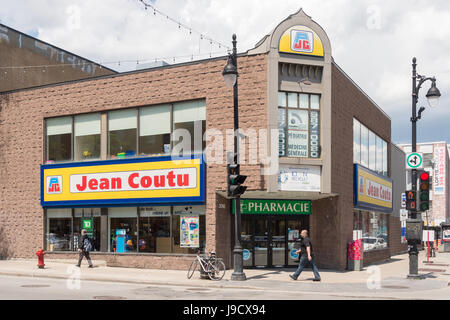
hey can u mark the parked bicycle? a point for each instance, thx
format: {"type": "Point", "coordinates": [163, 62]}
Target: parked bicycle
{"type": "Point", "coordinates": [211, 265]}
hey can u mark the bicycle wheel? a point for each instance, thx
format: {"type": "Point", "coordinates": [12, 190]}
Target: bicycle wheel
{"type": "Point", "coordinates": [216, 270]}
{"type": "Point", "coordinates": [192, 268]}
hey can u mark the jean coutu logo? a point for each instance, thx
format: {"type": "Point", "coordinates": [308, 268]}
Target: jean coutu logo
{"type": "Point", "coordinates": [302, 41]}
{"type": "Point", "coordinates": [54, 184]}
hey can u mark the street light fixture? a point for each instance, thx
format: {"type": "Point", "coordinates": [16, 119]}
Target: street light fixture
{"type": "Point", "coordinates": [230, 76]}
{"type": "Point", "coordinates": [433, 100]}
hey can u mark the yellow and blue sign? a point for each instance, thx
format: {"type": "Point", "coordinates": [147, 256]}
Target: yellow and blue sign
{"type": "Point", "coordinates": [372, 191]}
{"type": "Point", "coordinates": [139, 181]}
{"type": "Point", "coordinates": [301, 40]}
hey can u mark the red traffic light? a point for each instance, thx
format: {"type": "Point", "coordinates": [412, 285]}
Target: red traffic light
{"type": "Point", "coordinates": [424, 176]}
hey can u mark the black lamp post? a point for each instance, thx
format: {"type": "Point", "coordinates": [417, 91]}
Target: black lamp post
{"type": "Point", "coordinates": [433, 100]}
{"type": "Point", "coordinates": [230, 75]}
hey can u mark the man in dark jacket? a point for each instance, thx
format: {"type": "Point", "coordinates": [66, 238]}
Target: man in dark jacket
{"type": "Point", "coordinates": [307, 255]}
{"type": "Point", "coordinates": [84, 246]}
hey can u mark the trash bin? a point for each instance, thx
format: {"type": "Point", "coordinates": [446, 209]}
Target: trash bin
{"type": "Point", "coordinates": [355, 261]}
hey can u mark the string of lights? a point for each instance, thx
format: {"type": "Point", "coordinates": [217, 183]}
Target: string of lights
{"type": "Point", "coordinates": [181, 25]}
{"type": "Point", "coordinates": [118, 62]}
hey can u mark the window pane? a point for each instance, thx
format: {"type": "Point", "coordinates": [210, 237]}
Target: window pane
{"type": "Point", "coordinates": [282, 99]}
{"type": "Point", "coordinates": [123, 229]}
{"type": "Point", "coordinates": [385, 158]}
{"type": "Point", "coordinates": [59, 229]}
{"type": "Point", "coordinates": [379, 155]}
{"type": "Point", "coordinates": [292, 100]}
{"type": "Point", "coordinates": [364, 146]}
{"type": "Point", "coordinates": [59, 139]}
{"type": "Point", "coordinates": [87, 136]}
{"type": "Point", "coordinates": [177, 221]}
{"type": "Point", "coordinates": [194, 135]}
{"type": "Point", "coordinates": [154, 230]}
{"type": "Point", "coordinates": [356, 141]}
{"type": "Point", "coordinates": [122, 125]}
{"type": "Point", "coordinates": [304, 101]}
{"type": "Point", "coordinates": [372, 151]}
{"type": "Point", "coordinates": [189, 111]}
{"type": "Point", "coordinates": [154, 130]}
{"type": "Point", "coordinates": [315, 101]}
{"type": "Point", "coordinates": [298, 133]}
{"type": "Point", "coordinates": [281, 132]}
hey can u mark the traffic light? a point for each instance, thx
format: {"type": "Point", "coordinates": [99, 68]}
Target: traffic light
{"type": "Point", "coordinates": [424, 191]}
{"type": "Point", "coordinates": [411, 204]}
{"type": "Point", "coordinates": [235, 180]}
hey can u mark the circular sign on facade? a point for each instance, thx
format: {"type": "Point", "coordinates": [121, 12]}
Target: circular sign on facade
{"type": "Point", "coordinates": [293, 254]}
{"type": "Point", "coordinates": [414, 160]}
{"type": "Point", "coordinates": [246, 254]}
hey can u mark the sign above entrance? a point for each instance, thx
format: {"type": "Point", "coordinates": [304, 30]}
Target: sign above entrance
{"type": "Point", "coordinates": [129, 181]}
{"type": "Point", "coordinates": [301, 40]}
{"type": "Point", "coordinates": [372, 191]}
{"type": "Point", "coordinates": [275, 207]}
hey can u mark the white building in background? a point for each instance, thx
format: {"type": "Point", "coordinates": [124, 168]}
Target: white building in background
{"type": "Point", "coordinates": [436, 162]}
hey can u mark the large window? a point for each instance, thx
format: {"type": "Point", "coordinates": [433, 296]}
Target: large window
{"type": "Point", "coordinates": [374, 226]}
{"type": "Point", "coordinates": [190, 117]}
{"type": "Point", "coordinates": [180, 215]}
{"type": "Point", "coordinates": [299, 125]}
{"type": "Point", "coordinates": [369, 150]}
{"type": "Point", "coordinates": [122, 133]}
{"type": "Point", "coordinates": [59, 230]}
{"type": "Point", "coordinates": [154, 130]}
{"type": "Point", "coordinates": [59, 139]}
{"type": "Point", "coordinates": [87, 136]}
{"type": "Point", "coordinates": [154, 229]}
{"type": "Point", "coordinates": [123, 229]}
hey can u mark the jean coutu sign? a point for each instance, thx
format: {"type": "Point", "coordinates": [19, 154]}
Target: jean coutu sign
{"type": "Point", "coordinates": [127, 181]}
{"type": "Point", "coordinates": [372, 191]}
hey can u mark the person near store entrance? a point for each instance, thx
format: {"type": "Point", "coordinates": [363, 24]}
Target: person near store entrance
{"type": "Point", "coordinates": [84, 246]}
{"type": "Point", "coordinates": [307, 255]}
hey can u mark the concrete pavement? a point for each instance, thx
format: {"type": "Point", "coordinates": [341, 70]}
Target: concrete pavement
{"type": "Point", "coordinates": [380, 280]}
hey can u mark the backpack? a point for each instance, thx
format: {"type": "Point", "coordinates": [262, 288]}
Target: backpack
{"type": "Point", "coordinates": [87, 245]}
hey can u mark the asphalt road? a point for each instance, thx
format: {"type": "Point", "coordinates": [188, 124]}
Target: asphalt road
{"type": "Point", "coordinates": [27, 288]}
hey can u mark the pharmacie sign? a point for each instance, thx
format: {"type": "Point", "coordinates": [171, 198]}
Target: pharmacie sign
{"type": "Point", "coordinates": [371, 190]}
{"type": "Point", "coordinates": [128, 181]}
{"type": "Point", "coordinates": [263, 206]}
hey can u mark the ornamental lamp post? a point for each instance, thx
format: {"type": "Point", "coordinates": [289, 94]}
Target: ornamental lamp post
{"type": "Point", "coordinates": [230, 76]}
{"type": "Point", "coordinates": [432, 95]}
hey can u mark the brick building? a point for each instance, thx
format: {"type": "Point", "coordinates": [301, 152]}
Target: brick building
{"type": "Point", "coordinates": [28, 62]}
{"type": "Point", "coordinates": [96, 154]}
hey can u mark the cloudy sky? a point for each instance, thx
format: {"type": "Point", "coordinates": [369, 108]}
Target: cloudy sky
{"type": "Point", "coordinates": [373, 41]}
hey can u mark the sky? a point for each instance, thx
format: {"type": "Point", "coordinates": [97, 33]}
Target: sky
{"type": "Point", "coordinates": [373, 41]}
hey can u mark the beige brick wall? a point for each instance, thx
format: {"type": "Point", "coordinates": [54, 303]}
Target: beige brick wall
{"type": "Point", "coordinates": [22, 132]}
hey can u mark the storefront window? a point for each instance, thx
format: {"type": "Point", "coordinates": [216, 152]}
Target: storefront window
{"type": "Point", "coordinates": [59, 139]}
{"type": "Point", "coordinates": [59, 230]}
{"type": "Point", "coordinates": [122, 133]}
{"type": "Point", "coordinates": [385, 161]}
{"type": "Point", "coordinates": [190, 116]}
{"type": "Point", "coordinates": [154, 130]}
{"type": "Point", "coordinates": [364, 146]}
{"type": "Point", "coordinates": [123, 229]}
{"type": "Point", "coordinates": [183, 241]}
{"type": "Point", "coordinates": [154, 229]}
{"type": "Point", "coordinates": [87, 136]}
{"type": "Point", "coordinates": [374, 226]}
{"type": "Point", "coordinates": [83, 217]}
{"type": "Point", "coordinates": [379, 166]}
{"type": "Point", "coordinates": [303, 125]}
{"type": "Point", "coordinates": [372, 151]}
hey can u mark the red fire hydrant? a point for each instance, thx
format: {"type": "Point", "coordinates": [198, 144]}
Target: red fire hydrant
{"type": "Point", "coordinates": [40, 253]}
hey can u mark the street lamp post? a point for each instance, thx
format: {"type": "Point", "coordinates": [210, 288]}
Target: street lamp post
{"type": "Point", "coordinates": [433, 100]}
{"type": "Point", "coordinates": [230, 75]}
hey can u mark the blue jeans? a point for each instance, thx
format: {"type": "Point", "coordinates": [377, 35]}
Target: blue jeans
{"type": "Point", "coordinates": [302, 264]}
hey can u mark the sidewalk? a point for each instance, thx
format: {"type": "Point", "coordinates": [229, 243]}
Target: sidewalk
{"type": "Point", "coordinates": [392, 273]}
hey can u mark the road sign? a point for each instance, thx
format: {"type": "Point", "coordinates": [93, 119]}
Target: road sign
{"type": "Point", "coordinates": [414, 160]}
{"type": "Point", "coordinates": [403, 200]}
{"type": "Point", "coordinates": [403, 215]}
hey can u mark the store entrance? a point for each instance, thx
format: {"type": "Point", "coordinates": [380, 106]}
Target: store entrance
{"type": "Point", "coordinates": [268, 240]}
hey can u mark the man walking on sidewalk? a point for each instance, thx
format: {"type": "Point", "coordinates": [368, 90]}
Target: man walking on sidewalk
{"type": "Point", "coordinates": [307, 254]}
{"type": "Point", "coordinates": [84, 246]}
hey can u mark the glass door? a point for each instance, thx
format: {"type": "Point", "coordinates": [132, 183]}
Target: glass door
{"type": "Point", "coordinates": [247, 235]}
{"type": "Point", "coordinates": [261, 242]}
{"type": "Point", "coordinates": [277, 248]}
{"type": "Point", "coordinates": [294, 228]}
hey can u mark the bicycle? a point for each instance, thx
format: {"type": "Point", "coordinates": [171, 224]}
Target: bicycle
{"type": "Point", "coordinates": [213, 266]}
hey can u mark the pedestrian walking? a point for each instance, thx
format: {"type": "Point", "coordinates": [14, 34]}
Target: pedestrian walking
{"type": "Point", "coordinates": [307, 255]}
{"type": "Point", "coordinates": [84, 247]}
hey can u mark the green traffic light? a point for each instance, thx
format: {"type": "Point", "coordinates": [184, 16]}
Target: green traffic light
{"type": "Point", "coordinates": [424, 196]}
{"type": "Point", "coordinates": [424, 206]}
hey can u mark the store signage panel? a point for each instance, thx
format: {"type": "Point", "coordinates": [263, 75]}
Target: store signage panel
{"type": "Point", "coordinates": [276, 207]}
{"type": "Point", "coordinates": [301, 40]}
{"type": "Point", "coordinates": [372, 191]}
{"type": "Point", "coordinates": [116, 182]}
{"type": "Point", "coordinates": [299, 178]}
{"type": "Point", "coordinates": [439, 180]}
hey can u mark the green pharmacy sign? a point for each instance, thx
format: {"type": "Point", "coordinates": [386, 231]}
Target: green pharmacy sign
{"type": "Point", "coordinates": [263, 206]}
